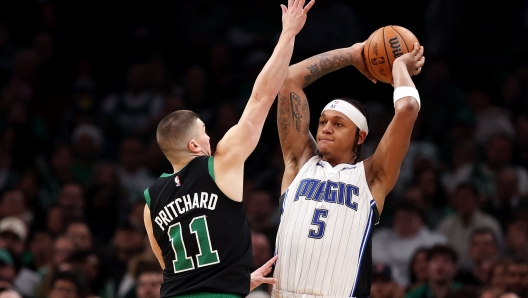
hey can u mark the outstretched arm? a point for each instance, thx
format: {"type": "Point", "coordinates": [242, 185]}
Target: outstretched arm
{"type": "Point", "coordinates": [293, 120]}
{"type": "Point", "coordinates": [383, 168]}
{"type": "Point", "coordinates": [241, 139]}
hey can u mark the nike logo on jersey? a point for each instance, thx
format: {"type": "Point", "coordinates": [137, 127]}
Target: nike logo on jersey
{"type": "Point", "coordinates": [328, 191]}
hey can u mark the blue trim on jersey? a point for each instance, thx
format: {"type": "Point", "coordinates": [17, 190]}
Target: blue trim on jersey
{"type": "Point", "coordinates": [282, 212]}
{"type": "Point", "coordinates": [362, 250]}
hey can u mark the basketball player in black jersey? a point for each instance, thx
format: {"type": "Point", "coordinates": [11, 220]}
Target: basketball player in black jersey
{"type": "Point", "coordinates": [195, 217]}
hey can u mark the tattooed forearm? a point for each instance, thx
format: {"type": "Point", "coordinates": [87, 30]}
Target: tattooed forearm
{"type": "Point", "coordinates": [295, 101]}
{"type": "Point", "coordinates": [326, 63]}
{"type": "Point", "coordinates": [283, 117]}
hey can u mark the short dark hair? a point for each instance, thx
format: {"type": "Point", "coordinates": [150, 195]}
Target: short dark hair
{"type": "Point", "coordinates": [146, 266]}
{"type": "Point", "coordinates": [174, 126]}
{"type": "Point", "coordinates": [485, 230]}
{"type": "Point", "coordinates": [442, 249]}
{"type": "Point", "coordinates": [357, 149]}
{"type": "Point", "coordinates": [72, 277]}
{"type": "Point", "coordinates": [409, 207]}
{"type": "Point", "coordinates": [470, 186]}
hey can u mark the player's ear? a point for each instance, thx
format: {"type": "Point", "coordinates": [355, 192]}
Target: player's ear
{"type": "Point", "coordinates": [193, 146]}
{"type": "Point", "coordinates": [361, 137]}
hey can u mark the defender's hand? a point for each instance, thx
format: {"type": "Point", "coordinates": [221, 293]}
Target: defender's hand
{"type": "Point", "coordinates": [359, 62]}
{"type": "Point", "coordinates": [414, 60]}
{"type": "Point", "coordinates": [258, 276]}
{"type": "Point", "coordinates": [294, 16]}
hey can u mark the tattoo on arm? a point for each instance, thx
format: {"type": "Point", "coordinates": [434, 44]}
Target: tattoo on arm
{"type": "Point", "coordinates": [295, 101]}
{"type": "Point", "coordinates": [326, 63]}
{"type": "Point", "coordinates": [284, 120]}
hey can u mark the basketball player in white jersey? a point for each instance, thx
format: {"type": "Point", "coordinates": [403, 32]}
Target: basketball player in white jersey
{"type": "Point", "coordinates": [330, 198]}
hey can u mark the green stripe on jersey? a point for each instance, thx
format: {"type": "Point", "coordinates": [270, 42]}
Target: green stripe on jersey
{"type": "Point", "coordinates": [166, 175]}
{"type": "Point", "coordinates": [207, 295]}
{"type": "Point", "coordinates": [210, 165]}
{"type": "Point", "coordinates": [147, 197]}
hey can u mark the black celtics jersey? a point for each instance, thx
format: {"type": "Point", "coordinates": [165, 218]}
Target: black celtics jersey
{"type": "Point", "coordinates": [204, 236]}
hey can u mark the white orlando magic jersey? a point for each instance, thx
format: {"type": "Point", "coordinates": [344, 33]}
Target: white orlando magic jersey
{"type": "Point", "coordinates": [324, 237]}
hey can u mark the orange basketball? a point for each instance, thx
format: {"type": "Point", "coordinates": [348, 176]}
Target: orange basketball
{"type": "Point", "coordinates": [383, 47]}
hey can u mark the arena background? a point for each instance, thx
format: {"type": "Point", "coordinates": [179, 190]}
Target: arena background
{"type": "Point", "coordinates": [75, 156]}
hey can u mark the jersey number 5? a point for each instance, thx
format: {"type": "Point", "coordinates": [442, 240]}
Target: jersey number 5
{"type": "Point", "coordinates": [316, 220]}
{"type": "Point", "coordinates": [207, 255]}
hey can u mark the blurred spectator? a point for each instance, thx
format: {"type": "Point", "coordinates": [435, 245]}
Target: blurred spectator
{"type": "Point", "coordinates": [7, 268]}
{"type": "Point", "coordinates": [13, 203]}
{"type": "Point", "coordinates": [518, 277]}
{"type": "Point", "coordinates": [71, 201]}
{"type": "Point", "coordinates": [55, 224]}
{"type": "Point", "coordinates": [516, 239]}
{"type": "Point", "coordinates": [6, 293]}
{"type": "Point", "coordinates": [88, 264]}
{"type": "Point", "coordinates": [483, 250]}
{"type": "Point", "coordinates": [148, 281]}
{"type": "Point", "coordinates": [63, 248]}
{"type": "Point", "coordinates": [459, 227]}
{"type": "Point", "coordinates": [383, 285]}
{"type": "Point", "coordinates": [441, 269]}
{"type": "Point", "coordinates": [418, 269]}
{"type": "Point", "coordinates": [67, 284]}
{"type": "Point", "coordinates": [87, 142]}
{"type": "Point", "coordinates": [105, 199]}
{"type": "Point", "coordinates": [498, 155]}
{"type": "Point", "coordinates": [132, 173]}
{"type": "Point", "coordinates": [13, 234]}
{"type": "Point", "coordinates": [128, 242]}
{"type": "Point", "coordinates": [129, 112]}
{"type": "Point", "coordinates": [490, 292]}
{"type": "Point", "coordinates": [499, 273]}
{"type": "Point", "coordinates": [433, 198]}
{"type": "Point", "coordinates": [395, 246]}
{"type": "Point", "coordinates": [259, 208]}
{"type": "Point", "coordinates": [80, 235]}
{"type": "Point", "coordinates": [506, 198]}
{"type": "Point", "coordinates": [40, 250]}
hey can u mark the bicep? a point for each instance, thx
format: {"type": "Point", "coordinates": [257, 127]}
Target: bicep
{"type": "Point", "coordinates": [293, 123]}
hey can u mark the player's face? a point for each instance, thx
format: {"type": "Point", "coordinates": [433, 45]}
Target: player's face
{"type": "Point", "coordinates": [336, 136]}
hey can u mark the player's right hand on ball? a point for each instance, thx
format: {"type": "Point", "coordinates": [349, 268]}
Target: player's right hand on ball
{"type": "Point", "coordinates": [294, 16]}
{"type": "Point", "coordinates": [414, 60]}
{"type": "Point", "coordinates": [358, 60]}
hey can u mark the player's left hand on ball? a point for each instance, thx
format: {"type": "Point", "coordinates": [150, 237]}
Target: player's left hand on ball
{"type": "Point", "coordinates": [414, 60]}
{"type": "Point", "coordinates": [258, 276]}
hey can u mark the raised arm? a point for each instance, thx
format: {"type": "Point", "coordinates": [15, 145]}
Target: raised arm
{"type": "Point", "coordinates": [383, 168]}
{"type": "Point", "coordinates": [241, 139]}
{"type": "Point", "coordinates": [293, 120]}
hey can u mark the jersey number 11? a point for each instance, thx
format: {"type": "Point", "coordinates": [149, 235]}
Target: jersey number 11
{"type": "Point", "coordinates": [207, 255]}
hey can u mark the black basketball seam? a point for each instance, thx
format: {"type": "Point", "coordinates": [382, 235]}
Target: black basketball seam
{"type": "Point", "coordinates": [401, 38]}
{"type": "Point", "coordinates": [368, 62]}
{"type": "Point", "coordinates": [385, 47]}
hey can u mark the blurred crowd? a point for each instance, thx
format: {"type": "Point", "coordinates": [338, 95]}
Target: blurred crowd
{"type": "Point", "coordinates": [84, 84]}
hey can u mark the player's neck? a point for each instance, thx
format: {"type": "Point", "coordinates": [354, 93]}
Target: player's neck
{"type": "Point", "coordinates": [181, 162]}
{"type": "Point", "coordinates": [336, 160]}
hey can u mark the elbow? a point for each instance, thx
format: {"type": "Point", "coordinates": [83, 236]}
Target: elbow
{"type": "Point", "coordinates": [408, 107]}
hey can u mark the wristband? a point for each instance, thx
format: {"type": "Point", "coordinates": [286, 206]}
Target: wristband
{"type": "Point", "coordinates": [405, 91]}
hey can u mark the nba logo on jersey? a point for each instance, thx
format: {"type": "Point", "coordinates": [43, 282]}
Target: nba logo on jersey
{"type": "Point", "coordinates": [177, 181]}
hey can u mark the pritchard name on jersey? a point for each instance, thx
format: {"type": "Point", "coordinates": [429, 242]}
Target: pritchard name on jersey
{"type": "Point", "coordinates": [182, 205]}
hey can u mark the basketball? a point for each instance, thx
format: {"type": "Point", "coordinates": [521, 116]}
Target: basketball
{"type": "Point", "coordinates": [383, 47]}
